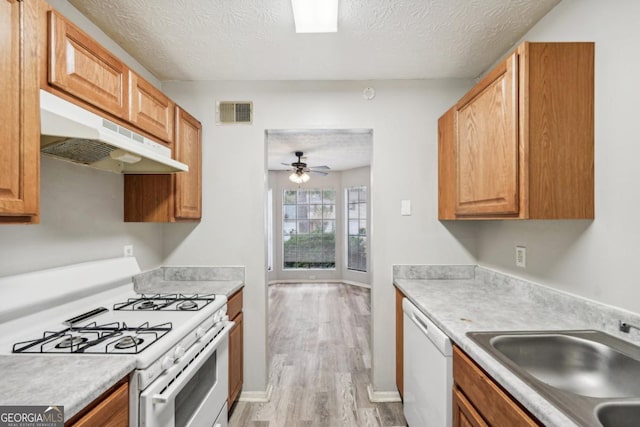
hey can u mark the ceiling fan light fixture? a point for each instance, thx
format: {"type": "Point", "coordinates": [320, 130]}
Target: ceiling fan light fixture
{"type": "Point", "coordinates": [299, 177]}
{"type": "Point", "coordinates": [315, 16]}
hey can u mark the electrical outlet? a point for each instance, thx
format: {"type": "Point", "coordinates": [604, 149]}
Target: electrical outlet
{"type": "Point", "coordinates": [128, 250]}
{"type": "Point", "coordinates": [521, 256]}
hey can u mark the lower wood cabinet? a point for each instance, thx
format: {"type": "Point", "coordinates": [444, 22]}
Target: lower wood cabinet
{"type": "Point", "coordinates": [399, 343]}
{"type": "Point", "coordinates": [479, 401]}
{"type": "Point", "coordinates": [236, 347]}
{"type": "Point", "coordinates": [109, 410]}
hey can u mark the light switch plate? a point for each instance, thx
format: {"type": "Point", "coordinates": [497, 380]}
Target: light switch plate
{"type": "Point", "coordinates": [521, 256]}
{"type": "Point", "coordinates": [405, 207]}
{"type": "Point", "coordinates": [128, 250]}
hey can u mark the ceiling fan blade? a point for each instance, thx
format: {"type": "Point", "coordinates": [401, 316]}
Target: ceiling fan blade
{"type": "Point", "coordinates": [286, 164]}
{"type": "Point", "coordinates": [318, 173]}
{"type": "Point", "coordinates": [324, 167]}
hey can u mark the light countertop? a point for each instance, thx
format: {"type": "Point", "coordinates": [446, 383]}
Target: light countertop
{"type": "Point", "coordinates": [73, 381]}
{"type": "Point", "coordinates": [489, 301]}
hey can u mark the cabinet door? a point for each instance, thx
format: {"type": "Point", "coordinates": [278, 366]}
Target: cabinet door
{"type": "Point", "coordinates": [150, 109]}
{"type": "Point", "coordinates": [19, 112]}
{"type": "Point", "coordinates": [188, 150]}
{"type": "Point", "coordinates": [464, 414]}
{"type": "Point", "coordinates": [447, 165]}
{"type": "Point", "coordinates": [236, 356]}
{"type": "Point", "coordinates": [81, 67]}
{"type": "Point", "coordinates": [487, 144]}
{"type": "Point", "coordinates": [113, 411]}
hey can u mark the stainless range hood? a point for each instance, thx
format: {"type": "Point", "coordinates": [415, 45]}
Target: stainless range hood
{"type": "Point", "coordinates": [71, 133]}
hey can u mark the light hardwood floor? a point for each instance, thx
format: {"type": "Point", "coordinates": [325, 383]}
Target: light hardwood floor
{"type": "Point", "coordinates": [320, 361]}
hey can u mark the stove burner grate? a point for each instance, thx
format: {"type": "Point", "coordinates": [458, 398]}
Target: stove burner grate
{"type": "Point", "coordinates": [188, 305]}
{"type": "Point", "coordinates": [108, 338]}
{"type": "Point", "coordinates": [71, 340]}
{"type": "Point", "coordinates": [167, 302]}
{"type": "Point", "coordinates": [127, 342]}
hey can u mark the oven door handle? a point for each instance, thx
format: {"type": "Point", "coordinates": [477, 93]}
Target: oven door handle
{"type": "Point", "coordinates": [172, 390]}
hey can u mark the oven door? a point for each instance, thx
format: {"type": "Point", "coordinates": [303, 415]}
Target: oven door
{"type": "Point", "coordinates": [192, 392]}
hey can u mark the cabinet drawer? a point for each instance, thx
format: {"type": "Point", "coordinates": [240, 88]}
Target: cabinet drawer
{"type": "Point", "coordinates": [113, 411]}
{"type": "Point", "coordinates": [150, 109]}
{"type": "Point", "coordinates": [81, 67]}
{"type": "Point", "coordinates": [496, 406]}
{"type": "Point", "coordinates": [234, 305]}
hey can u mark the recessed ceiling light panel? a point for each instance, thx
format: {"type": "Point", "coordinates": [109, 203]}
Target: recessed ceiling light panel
{"type": "Point", "coordinates": [315, 16]}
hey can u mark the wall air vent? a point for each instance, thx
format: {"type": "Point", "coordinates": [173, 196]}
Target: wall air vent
{"type": "Point", "coordinates": [234, 112]}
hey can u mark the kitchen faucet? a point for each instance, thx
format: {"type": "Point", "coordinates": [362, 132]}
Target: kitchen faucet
{"type": "Point", "coordinates": [625, 327]}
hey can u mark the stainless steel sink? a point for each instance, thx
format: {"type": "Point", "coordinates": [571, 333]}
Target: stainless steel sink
{"type": "Point", "coordinates": [592, 376]}
{"type": "Point", "coordinates": [619, 414]}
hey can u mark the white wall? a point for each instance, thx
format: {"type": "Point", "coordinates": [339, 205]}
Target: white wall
{"type": "Point", "coordinates": [81, 220]}
{"type": "Point", "coordinates": [403, 117]}
{"type": "Point", "coordinates": [595, 259]}
{"type": "Point", "coordinates": [81, 208]}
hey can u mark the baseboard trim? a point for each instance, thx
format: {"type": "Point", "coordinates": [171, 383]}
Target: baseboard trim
{"type": "Point", "coordinates": [382, 396]}
{"type": "Point", "coordinates": [344, 282]}
{"type": "Point", "coordinates": [256, 396]}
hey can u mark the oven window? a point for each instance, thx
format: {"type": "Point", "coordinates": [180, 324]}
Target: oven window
{"type": "Point", "coordinates": [197, 389]}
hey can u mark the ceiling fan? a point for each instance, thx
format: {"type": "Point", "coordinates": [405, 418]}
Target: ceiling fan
{"type": "Point", "coordinates": [300, 171]}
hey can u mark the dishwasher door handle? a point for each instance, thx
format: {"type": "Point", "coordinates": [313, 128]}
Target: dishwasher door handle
{"type": "Point", "coordinates": [420, 324]}
{"type": "Point", "coordinates": [427, 327]}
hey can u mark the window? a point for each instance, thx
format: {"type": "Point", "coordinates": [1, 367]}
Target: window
{"type": "Point", "coordinates": [308, 229]}
{"type": "Point", "coordinates": [357, 228]}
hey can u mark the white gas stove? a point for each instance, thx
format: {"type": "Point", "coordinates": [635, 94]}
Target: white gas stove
{"type": "Point", "coordinates": [179, 341]}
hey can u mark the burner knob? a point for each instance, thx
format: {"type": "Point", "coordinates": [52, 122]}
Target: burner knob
{"type": "Point", "coordinates": [178, 352]}
{"type": "Point", "coordinates": [167, 362]}
{"type": "Point", "coordinates": [200, 332]}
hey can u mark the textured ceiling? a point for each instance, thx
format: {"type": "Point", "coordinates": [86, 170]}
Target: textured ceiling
{"type": "Point", "coordinates": [255, 39]}
{"type": "Point", "coordinates": [340, 149]}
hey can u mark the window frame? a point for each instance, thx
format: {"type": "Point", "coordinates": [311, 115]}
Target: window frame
{"type": "Point", "coordinates": [309, 203]}
{"type": "Point", "coordinates": [363, 199]}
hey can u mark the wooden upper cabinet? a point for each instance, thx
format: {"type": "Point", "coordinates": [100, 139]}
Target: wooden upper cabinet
{"type": "Point", "coordinates": [150, 109]}
{"type": "Point", "coordinates": [188, 150]}
{"type": "Point", "coordinates": [19, 113]}
{"type": "Point", "coordinates": [446, 165]}
{"type": "Point", "coordinates": [175, 197]}
{"type": "Point", "coordinates": [520, 144]}
{"type": "Point", "coordinates": [81, 67]}
{"type": "Point", "coordinates": [487, 144]}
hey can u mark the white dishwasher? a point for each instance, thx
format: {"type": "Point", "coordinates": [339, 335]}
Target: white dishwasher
{"type": "Point", "coordinates": [428, 375]}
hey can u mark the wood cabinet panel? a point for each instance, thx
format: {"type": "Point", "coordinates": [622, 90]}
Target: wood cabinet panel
{"type": "Point", "coordinates": [188, 150]}
{"type": "Point", "coordinates": [446, 165]}
{"type": "Point", "coordinates": [487, 144]}
{"type": "Point", "coordinates": [234, 304]}
{"type": "Point", "coordinates": [236, 359]}
{"type": "Point", "coordinates": [523, 139]}
{"type": "Point", "coordinates": [399, 343]}
{"type": "Point", "coordinates": [150, 109]}
{"type": "Point", "coordinates": [175, 197]}
{"type": "Point", "coordinates": [491, 402]}
{"type": "Point", "coordinates": [19, 110]}
{"type": "Point", "coordinates": [112, 411]}
{"type": "Point", "coordinates": [464, 414]}
{"type": "Point", "coordinates": [83, 68]}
